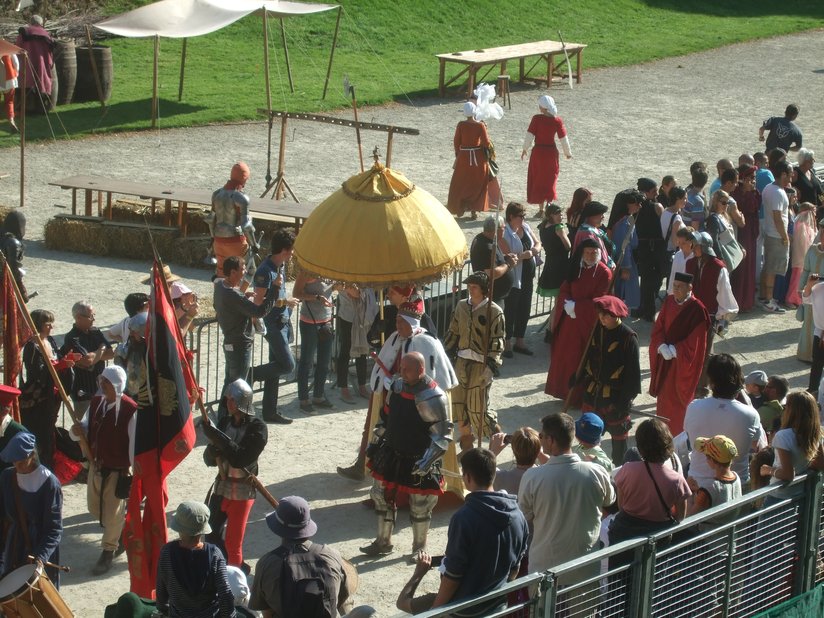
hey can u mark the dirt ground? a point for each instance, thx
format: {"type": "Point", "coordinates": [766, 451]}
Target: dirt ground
{"type": "Point", "coordinates": [647, 120]}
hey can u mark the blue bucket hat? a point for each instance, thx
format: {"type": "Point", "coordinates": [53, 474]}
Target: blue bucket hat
{"type": "Point", "coordinates": [19, 447]}
{"type": "Point", "coordinates": [291, 519]}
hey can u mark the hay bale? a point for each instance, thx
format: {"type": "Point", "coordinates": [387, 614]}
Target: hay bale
{"type": "Point", "coordinates": [96, 238]}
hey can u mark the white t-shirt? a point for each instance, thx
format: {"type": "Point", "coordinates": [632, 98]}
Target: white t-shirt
{"type": "Point", "coordinates": [786, 441]}
{"type": "Point", "coordinates": [712, 417]}
{"type": "Point", "coordinates": [774, 198]}
{"type": "Point", "coordinates": [666, 217]}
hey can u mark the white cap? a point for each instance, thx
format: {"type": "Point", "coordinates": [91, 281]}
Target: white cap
{"type": "Point", "coordinates": [178, 289]}
{"type": "Point", "coordinates": [548, 103]}
{"type": "Point", "coordinates": [469, 109]}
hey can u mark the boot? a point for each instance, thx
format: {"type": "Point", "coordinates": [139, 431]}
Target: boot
{"type": "Point", "coordinates": [420, 530]}
{"type": "Point", "coordinates": [104, 563]}
{"type": "Point", "coordinates": [619, 449]}
{"type": "Point", "coordinates": [355, 472]}
{"type": "Point", "coordinates": [382, 545]}
{"type": "Point", "coordinates": [121, 547]}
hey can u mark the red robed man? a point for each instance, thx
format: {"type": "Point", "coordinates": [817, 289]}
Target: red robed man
{"type": "Point", "coordinates": [574, 318]}
{"type": "Point", "coordinates": [676, 351]}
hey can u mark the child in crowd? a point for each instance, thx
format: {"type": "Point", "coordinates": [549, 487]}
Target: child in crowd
{"type": "Point", "coordinates": [772, 409]}
{"type": "Point", "coordinates": [588, 431]}
{"type": "Point", "coordinates": [726, 486]}
{"type": "Point", "coordinates": [755, 383]}
{"type": "Point", "coordinates": [683, 240]}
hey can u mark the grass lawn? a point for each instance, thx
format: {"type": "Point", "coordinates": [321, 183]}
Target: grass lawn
{"type": "Point", "coordinates": [387, 50]}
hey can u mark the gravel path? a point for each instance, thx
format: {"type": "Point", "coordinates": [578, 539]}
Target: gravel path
{"type": "Point", "coordinates": [647, 120]}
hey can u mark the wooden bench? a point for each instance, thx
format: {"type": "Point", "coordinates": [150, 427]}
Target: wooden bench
{"type": "Point", "coordinates": [495, 56]}
{"type": "Point", "coordinates": [270, 210]}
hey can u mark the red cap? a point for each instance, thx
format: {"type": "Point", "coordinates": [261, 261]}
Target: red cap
{"type": "Point", "coordinates": [611, 305]}
{"type": "Point", "coordinates": [240, 173]}
{"type": "Point", "coordinates": [412, 308]}
{"type": "Point", "coordinates": [8, 394]}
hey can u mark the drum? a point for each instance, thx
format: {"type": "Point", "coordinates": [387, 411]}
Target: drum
{"type": "Point", "coordinates": [28, 593]}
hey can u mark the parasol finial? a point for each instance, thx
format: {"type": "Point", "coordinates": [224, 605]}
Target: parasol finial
{"type": "Point", "coordinates": [376, 154]}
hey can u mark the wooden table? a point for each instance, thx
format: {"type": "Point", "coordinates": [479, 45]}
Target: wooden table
{"type": "Point", "coordinates": [479, 58]}
{"type": "Point", "coordinates": [271, 210]}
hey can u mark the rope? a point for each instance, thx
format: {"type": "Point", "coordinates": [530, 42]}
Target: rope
{"type": "Point", "coordinates": [31, 74]}
{"type": "Point", "coordinates": [277, 66]}
{"type": "Point", "coordinates": [377, 57]}
{"type": "Point", "coordinates": [319, 71]}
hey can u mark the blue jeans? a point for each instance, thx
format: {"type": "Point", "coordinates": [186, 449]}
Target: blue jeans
{"type": "Point", "coordinates": [281, 362]}
{"type": "Point", "coordinates": [238, 361]}
{"type": "Point", "coordinates": [310, 346]}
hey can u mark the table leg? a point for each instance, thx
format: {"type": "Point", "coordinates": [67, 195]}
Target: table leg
{"type": "Point", "coordinates": [182, 218]}
{"type": "Point", "coordinates": [168, 212]}
{"type": "Point", "coordinates": [100, 203]}
{"type": "Point", "coordinates": [521, 71]}
{"type": "Point", "coordinates": [470, 82]}
{"type": "Point", "coordinates": [109, 205]}
{"type": "Point", "coordinates": [578, 66]}
{"type": "Point", "coordinates": [74, 201]}
{"type": "Point", "coordinates": [442, 74]}
{"type": "Point", "coordinates": [550, 69]}
{"type": "Point", "coordinates": [88, 203]}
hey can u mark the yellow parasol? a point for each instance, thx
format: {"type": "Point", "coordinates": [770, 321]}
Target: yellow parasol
{"type": "Point", "coordinates": [378, 230]}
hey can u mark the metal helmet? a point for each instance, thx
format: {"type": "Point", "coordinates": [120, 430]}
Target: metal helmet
{"type": "Point", "coordinates": [241, 393]}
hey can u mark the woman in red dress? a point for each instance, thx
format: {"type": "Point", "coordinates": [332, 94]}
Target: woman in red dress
{"type": "Point", "coordinates": [467, 191]}
{"type": "Point", "coordinates": [542, 178]}
{"type": "Point", "coordinates": [742, 279]}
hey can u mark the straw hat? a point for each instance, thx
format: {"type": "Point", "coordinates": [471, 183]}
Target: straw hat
{"type": "Point", "coordinates": [166, 271]}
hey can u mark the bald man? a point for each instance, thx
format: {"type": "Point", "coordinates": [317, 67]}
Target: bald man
{"type": "Point", "coordinates": [405, 455]}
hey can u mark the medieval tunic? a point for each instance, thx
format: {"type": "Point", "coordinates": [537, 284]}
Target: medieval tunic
{"type": "Point", "coordinates": [468, 190]}
{"type": "Point", "coordinates": [570, 336]}
{"type": "Point", "coordinates": [478, 346]}
{"type": "Point", "coordinates": [673, 381]}
{"type": "Point", "coordinates": [743, 278]}
{"type": "Point", "coordinates": [612, 376]}
{"type": "Point", "coordinates": [542, 177]}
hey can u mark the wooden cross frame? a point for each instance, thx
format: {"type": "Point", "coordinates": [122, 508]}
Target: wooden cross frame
{"type": "Point", "coordinates": [278, 183]}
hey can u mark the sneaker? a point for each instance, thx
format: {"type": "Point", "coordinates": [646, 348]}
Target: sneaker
{"type": "Point", "coordinates": [376, 548]}
{"type": "Point", "coordinates": [307, 408]}
{"type": "Point", "coordinates": [277, 418]}
{"type": "Point", "coordinates": [773, 307]}
{"type": "Point", "coordinates": [323, 403]}
{"type": "Point", "coordinates": [104, 563]}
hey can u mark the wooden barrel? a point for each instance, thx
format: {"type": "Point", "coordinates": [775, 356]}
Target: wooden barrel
{"type": "Point", "coordinates": [85, 88]}
{"type": "Point", "coordinates": [66, 62]}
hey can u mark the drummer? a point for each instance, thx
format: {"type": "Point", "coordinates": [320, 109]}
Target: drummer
{"type": "Point", "coordinates": [8, 426]}
{"type": "Point", "coordinates": [31, 500]}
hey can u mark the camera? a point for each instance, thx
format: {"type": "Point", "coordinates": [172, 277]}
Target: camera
{"type": "Point", "coordinates": [508, 438]}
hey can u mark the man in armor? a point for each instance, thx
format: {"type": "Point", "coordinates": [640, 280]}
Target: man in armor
{"type": "Point", "coordinates": [11, 245]}
{"type": "Point", "coordinates": [405, 455]}
{"type": "Point", "coordinates": [234, 448]}
{"type": "Point", "coordinates": [231, 226]}
{"type": "Point", "coordinates": [476, 338]}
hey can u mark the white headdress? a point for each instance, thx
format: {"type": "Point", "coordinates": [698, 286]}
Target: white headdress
{"type": "Point", "coordinates": [548, 103]}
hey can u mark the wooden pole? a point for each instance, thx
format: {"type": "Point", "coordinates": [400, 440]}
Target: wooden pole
{"type": "Point", "coordinates": [154, 81]}
{"type": "Point", "coordinates": [266, 60]}
{"type": "Point", "coordinates": [332, 54]}
{"type": "Point", "coordinates": [84, 443]}
{"type": "Point", "coordinates": [357, 126]}
{"type": "Point", "coordinates": [281, 159]}
{"type": "Point", "coordinates": [93, 62]}
{"type": "Point", "coordinates": [391, 133]}
{"type": "Point", "coordinates": [23, 130]}
{"type": "Point", "coordinates": [286, 53]}
{"type": "Point", "coordinates": [182, 70]}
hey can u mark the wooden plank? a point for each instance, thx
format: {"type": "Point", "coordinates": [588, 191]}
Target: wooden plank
{"type": "Point", "coordinates": [369, 126]}
{"type": "Point", "coordinates": [509, 52]}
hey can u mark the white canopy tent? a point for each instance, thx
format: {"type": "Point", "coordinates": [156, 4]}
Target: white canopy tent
{"type": "Point", "coordinates": [189, 18]}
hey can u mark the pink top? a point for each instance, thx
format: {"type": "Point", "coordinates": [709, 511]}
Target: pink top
{"type": "Point", "coordinates": [637, 495]}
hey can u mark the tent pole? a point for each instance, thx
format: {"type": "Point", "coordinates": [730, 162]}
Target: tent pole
{"type": "Point", "coordinates": [286, 53]}
{"type": "Point", "coordinates": [23, 130]}
{"type": "Point", "coordinates": [93, 62]}
{"type": "Point", "coordinates": [154, 81]}
{"type": "Point", "coordinates": [332, 53]}
{"type": "Point", "coordinates": [182, 70]}
{"type": "Point", "coordinates": [266, 61]}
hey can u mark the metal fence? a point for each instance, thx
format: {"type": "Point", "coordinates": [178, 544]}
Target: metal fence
{"type": "Point", "coordinates": [759, 558]}
{"type": "Point", "coordinates": [440, 299]}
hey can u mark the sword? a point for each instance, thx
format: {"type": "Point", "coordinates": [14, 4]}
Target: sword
{"type": "Point", "coordinates": [380, 364]}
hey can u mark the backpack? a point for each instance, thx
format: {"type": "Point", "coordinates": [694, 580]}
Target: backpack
{"type": "Point", "coordinates": [306, 586]}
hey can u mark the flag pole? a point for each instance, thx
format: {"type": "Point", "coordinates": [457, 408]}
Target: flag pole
{"type": "Point", "coordinates": [84, 443]}
{"type": "Point", "coordinates": [256, 482]}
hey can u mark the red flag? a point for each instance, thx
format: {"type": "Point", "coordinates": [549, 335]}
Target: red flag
{"type": "Point", "coordinates": [164, 435]}
{"type": "Point", "coordinates": [16, 333]}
